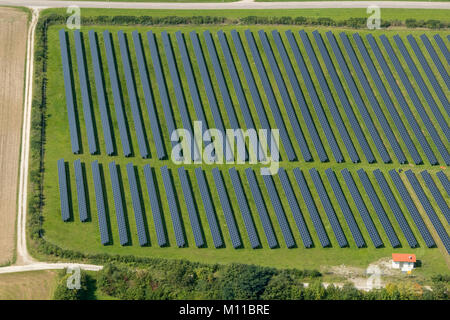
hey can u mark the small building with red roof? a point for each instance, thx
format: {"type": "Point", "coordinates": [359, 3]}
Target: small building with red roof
{"type": "Point", "coordinates": [403, 261]}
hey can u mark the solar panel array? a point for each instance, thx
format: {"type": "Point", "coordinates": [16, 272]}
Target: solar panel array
{"type": "Point", "coordinates": [417, 218]}
{"type": "Point", "coordinates": [154, 203]}
{"type": "Point", "coordinates": [101, 95]}
{"type": "Point", "coordinates": [358, 99]}
{"type": "Point", "coordinates": [243, 206]}
{"type": "Point", "coordinates": [379, 210]}
{"type": "Point", "coordinates": [329, 98]}
{"type": "Point", "coordinates": [298, 217]}
{"type": "Point", "coordinates": [315, 217]}
{"type": "Point", "coordinates": [426, 93]}
{"type": "Point", "coordinates": [360, 205]}
{"type": "Point", "coordinates": [63, 191]}
{"type": "Point", "coordinates": [115, 86]}
{"type": "Point", "coordinates": [385, 96]}
{"type": "Point", "coordinates": [436, 60]}
{"type": "Point", "coordinates": [154, 124]}
{"type": "Point", "coordinates": [395, 208]}
{"type": "Point", "coordinates": [429, 73]}
{"type": "Point", "coordinates": [429, 210]}
{"type": "Point", "coordinates": [191, 208]}
{"type": "Point", "coordinates": [443, 47]}
{"type": "Point", "coordinates": [348, 215]}
{"type": "Point", "coordinates": [81, 193]}
{"type": "Point", "coordinates": [285, 97]}
{"type": "Point", "coordinates": [209, 208]}
{"type": "Point", "coordinates": [68, 85]}
{"type": "Point", "coordinates": [173, 207]}
{"type": "Point", "coordinates": [279, 212]}
{"type": "Point", "coordinates": [436, 195]}
{"type": "Point", "coordinates": [100, 202]}
{"type": "Point", "coordinates": [444, 181]}
{"type": "Point", "coordinates": [314, 98]}
{"type": "Point", "coordinates": [118, 203]}
{"type": "Point", "coordinates": [131, 89]}
{"type": "Point", "coordinates": [136, 201]}
{"type": "Point", "coordinates": [84, 86]}
{"type": "Point", "coordinates": [226, 207]}
{"type": "Point", "coordinates": [261, 208]}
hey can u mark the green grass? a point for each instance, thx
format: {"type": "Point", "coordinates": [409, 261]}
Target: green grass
{"type": "Point", "coordinates": [337, 14]}
{"type": "Point", "coordinates": [85, 236]}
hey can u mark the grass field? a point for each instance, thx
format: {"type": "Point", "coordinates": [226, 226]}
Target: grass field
{"type": "Point", "coordinates": [13, 32]}
{"type": "Point", "coordinates": [337, 14]}
{"type": "Point", "coordinates": [85, 236]}
{"type": "Point", "coordinates": [33, 285]}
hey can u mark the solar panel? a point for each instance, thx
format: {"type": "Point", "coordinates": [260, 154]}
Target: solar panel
{"type": "Point", "coordinates": [261, 207]}
{"type": "Point", "coordinates": [70, 99]}
{"type": "Point", "coordinates": [148, 96]}
{"type": "Point", "coordinates": [225, 94]}
{"type": "Point", "coordinates": [343, 98]}
{"type": "Point", "coordinates": [84, 86]}
{"type": "Point", "coordinates": [228, 150]}
{"type": "Point", "coordinates": [154, 203]}
{"type": "Point", "coordinates": [279, 212]}
{"type": "Point", "coordinates": [243, 206]}
{"type": "Point", "coordinates": [81, 193]}
{"type": "Point", "coordinates": [313, 95]}
{"type": "Point", "coordinates": [118, 203]}
{"type": "Point", "coordinates": [430, 75]}
{"type": "Point", "coordinates": [162, 89]}
{"type": "Point", "coordinates": [401, 100]}
{"type": "Point", "coordinates": [429, 210]}
{"type": "Point", "coordinates": [131, 89]}
{"type": "Point", "coordinates": [254, 93]}
{"type": "Point", "coordinates": [315, 217]}
{"type": "Point", "coordinates": [271, 98]}
{"type": "Point", "coordinates": [334, 222]}
{"type": "Point", "coordinates": [379, 210]}
{"type": "Point", "coordinates": [139, 213]}
{"type": "Point", "coordinates": [443, 47]}
{"type": "Point", "coordinates": [191, 207]}
{"type": "Point", "coordinates": [423, 87]}
{"type": "Point", "coordinates": [393, 204]}
{"type": "Point", "coordinates": [371, 96]}
{"type": "Point", "coordinates": [179, 94]}
{"type": "Point", "coordinates": [209, 208]}
{"type": "Point", "coordinates": [404, 195]}
{"type": "Point", "coordinates": [348, 215]}
{"type": "Point", "coordinates": [329, 98]}
{"type": "Point", "coordinates": [436, 195]}
{"type": "Point", "coordinates": [101, 96]}
{"type": "Point", "coordinates": [100, 201]}
{"type": "Point", "coordinates": [115, 86]}
{"type": "Point", "coordinates": [360, 205]}
{"type": "Point", "coordinates": [298, 95]}
{"type": "Point", "coordinates": [418, 105]}
{"type": "Point", "coordinates": [63, 190]}
{"type": "Point", "coordinates": [358, 99]}
{"type": "Point", "coordinates": [298, 217]}
{"type": "Point", "coordinates": [284, 95]}
{"type": "Point", "coordinates": [195, 97]}
{"type": "Point", "coordinates": [386, 98]}
{"type": "Point", "coordinates": [226, 207]}
{"type": "Point", "coordinates": [439, 66]}
{"type": "Point", "coordinates": [444, 181]}
{"type": "Point", "coordinates": [173, 207]}
{"type": "Point", "coordinates": [239, 92]}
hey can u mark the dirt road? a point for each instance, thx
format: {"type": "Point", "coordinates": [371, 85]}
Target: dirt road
{"type": "Point", "coordinates": [13, 39]}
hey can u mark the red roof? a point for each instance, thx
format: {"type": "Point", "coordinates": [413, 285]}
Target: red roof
{"type": "Point", "coordinates": [404, 257]}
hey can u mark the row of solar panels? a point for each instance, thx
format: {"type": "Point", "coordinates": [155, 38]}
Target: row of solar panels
{"type": "Point", "coordinates": [258, 198]}
{"type": "Point", "coordinates": [257, 59]}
